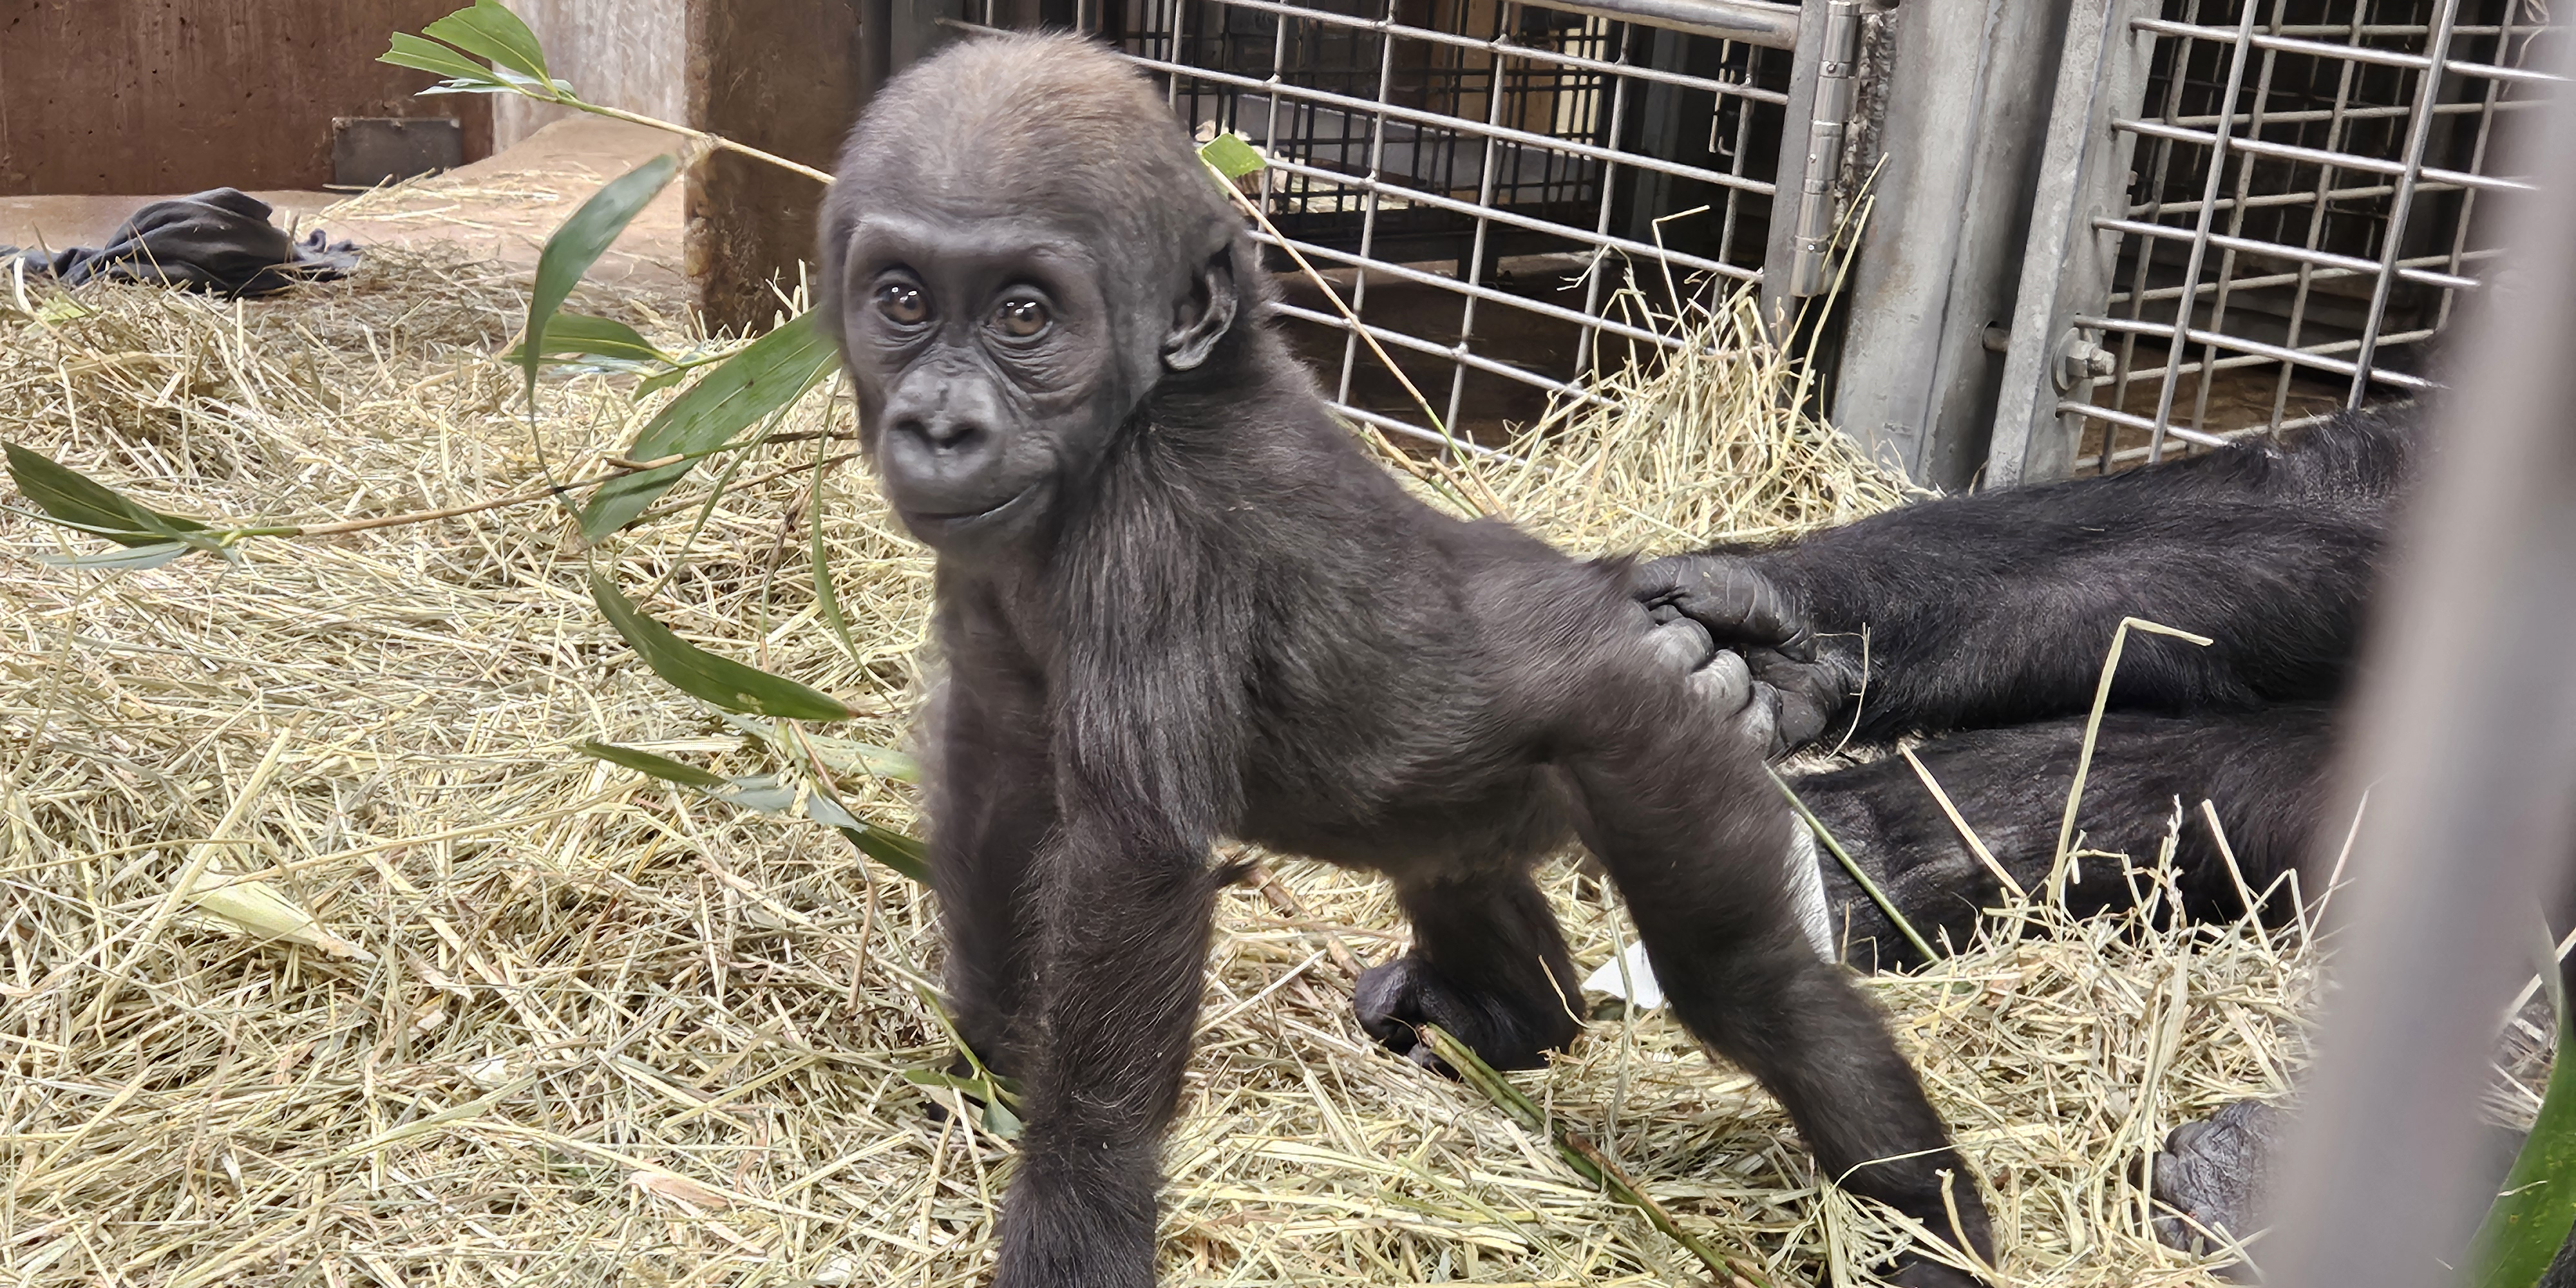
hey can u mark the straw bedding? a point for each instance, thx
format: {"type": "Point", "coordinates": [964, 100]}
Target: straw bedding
{"type": "Point", "coordinates": [553, 1023]}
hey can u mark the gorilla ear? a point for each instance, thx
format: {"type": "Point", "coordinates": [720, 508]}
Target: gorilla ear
{"type": "Point", "coordinates": [1204, 315]}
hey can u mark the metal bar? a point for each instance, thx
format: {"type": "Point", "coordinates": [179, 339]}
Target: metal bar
{"type": "Point", "coordinates": [1486, 293]}
{"type": "Point", "coordinates": [2314, 274]}
{"type": "Point", "coordinates": [2068, 266]}
{"type": "Point", "coordinates": [1419, 117]}
{"type": "Point", "coordinates": [1506, 45]}
{"type": "Point", "coordinates": [2304, 357]}
{"type": "Point", "coordinates": [2070, 407]}
{"type": "Point", "coordinates": [1369, 205]}
{"type": "Point", "coordinates": [2199, 241]}
{"type": "Point", "coordinates": [2336, 130]}
{"type": "Point", "coordinates": [1586, 350]}
{"type": "Point", "coordinates": [2226, 283]}
{"type": "Point", "coordinates": [2285, 200]}
{"type": "Point", "coordinates": [1837, 88]}
{"type": "Point", "coordinates": [2256, 246]}
{"type": "Point", "coordinates": [2316, 156]}
{"type": "Point", "coordinates": [1748, 22]}
{"type": "Point", "coordinates": [1413, 431]}
{"type": "Point", "coordinates": [1485, 203]}
{"type": "Point", "coordinates": [1606, 241]}
{"type": "Point", "coordinates": [2315, 115]}
{"type": "Point", "coordinates": [1400, 340]}
{"type": "Point", "coordinates": [2464, 735]}
{"type": "Point", "coordinates": [2356, 53]}
{"type": "Point", "coordinates": [2428, 88]}
{"type": "Point", "coordinates": [1789, 161]}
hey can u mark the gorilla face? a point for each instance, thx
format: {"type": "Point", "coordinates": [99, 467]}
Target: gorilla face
{"type": "Point", "coordinates": [987, 369]}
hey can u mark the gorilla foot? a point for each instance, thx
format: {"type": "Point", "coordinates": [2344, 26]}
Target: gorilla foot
{"type": "Point", "coordinates": [1396, 1000]}
{"type": "Point", "coordinates": [2214, 1173]}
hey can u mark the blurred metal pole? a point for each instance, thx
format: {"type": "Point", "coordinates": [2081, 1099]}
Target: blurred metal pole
{"type": "Point", "coordinates": [2465, 738]}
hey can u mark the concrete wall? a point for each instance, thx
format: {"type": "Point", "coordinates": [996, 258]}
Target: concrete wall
{"type": "Point", "coordinates": [172, 96]}
{"type": "Point", "coordinates": [627, 54]}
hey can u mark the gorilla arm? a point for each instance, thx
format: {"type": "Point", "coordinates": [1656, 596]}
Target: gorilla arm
{"type": "Point", "coordinates": [1995, 608]}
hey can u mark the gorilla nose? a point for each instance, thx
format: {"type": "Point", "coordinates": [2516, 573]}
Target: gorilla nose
{"type": "Point", "coordinates": [941, 429]}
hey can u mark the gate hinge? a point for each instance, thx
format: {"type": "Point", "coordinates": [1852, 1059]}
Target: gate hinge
{"type": "Point", "coordinates": [1837, 90]}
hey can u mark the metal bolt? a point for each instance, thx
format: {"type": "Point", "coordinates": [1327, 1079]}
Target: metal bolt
{"type": "Point", "coordinates": [2081, 361]}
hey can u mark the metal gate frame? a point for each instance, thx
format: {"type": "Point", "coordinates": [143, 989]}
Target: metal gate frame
{"type": "Point", "coordinates": [1638, 69]}
{"type": "Point", "coordinates": [2067, 337]}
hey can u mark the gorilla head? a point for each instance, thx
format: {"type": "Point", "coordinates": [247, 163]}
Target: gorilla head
{"type": "Point", "coordinates": [1035, 249]}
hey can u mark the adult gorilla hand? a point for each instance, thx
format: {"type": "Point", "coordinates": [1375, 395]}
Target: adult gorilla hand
{"type": "Point", "coordinates": [1728, 595]}
{"type": "Point", "coordinates": [1766, 679]}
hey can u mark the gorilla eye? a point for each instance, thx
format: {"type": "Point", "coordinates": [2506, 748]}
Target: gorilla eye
{"type": "Point", "coordinates": [1022, 318]}
{"type": "Point", "coordinates": [903, 303]}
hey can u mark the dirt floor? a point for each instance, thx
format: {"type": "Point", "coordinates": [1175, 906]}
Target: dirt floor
{"type": "Point", "coordinates": [501, 208]}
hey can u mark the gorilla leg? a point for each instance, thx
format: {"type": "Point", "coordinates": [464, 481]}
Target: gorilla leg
{"type": "Point", "coordinates": [1669, 809]}
{"type": "Point", "coordinates": [1488, 964]}
{"type": "Point", "coordinates": [2263, 771]}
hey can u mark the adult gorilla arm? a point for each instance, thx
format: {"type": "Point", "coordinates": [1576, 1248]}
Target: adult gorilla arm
{"type": "Point", "coordinates": [1995, 608]}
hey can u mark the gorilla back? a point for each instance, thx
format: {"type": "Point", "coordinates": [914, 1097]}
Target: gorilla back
{"type": "Point", "coordinates": [1178, 604]}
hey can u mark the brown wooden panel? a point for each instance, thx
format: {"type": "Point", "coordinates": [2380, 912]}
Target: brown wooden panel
{"type": "Point", "coordinates": [783, 76]}
{"type": "Point", "coordinates": [172, 96]}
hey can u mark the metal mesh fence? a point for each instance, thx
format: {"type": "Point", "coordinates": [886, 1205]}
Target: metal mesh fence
{"type": "Point", "coordinates": [1504, 193]}
{"type": "Point", "coordinates": [2312, 188]}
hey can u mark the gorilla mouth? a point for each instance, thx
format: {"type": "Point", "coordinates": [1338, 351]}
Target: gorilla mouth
{"type": "Point", "coordinates": [925, 521]}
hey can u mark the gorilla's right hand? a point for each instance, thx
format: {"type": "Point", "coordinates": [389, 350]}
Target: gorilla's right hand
{"type": "Point", "coordinates": [1730, 596]}
{"type": "Point", "coordinates": [1750, 656]}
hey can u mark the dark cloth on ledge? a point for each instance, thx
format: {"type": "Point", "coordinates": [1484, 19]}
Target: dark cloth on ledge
{"type": "Point", "coordinates": [219, 240]}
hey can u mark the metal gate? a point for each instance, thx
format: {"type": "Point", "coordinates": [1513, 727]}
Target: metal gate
{"type": "Point", "coordinates": [2251, 213]}
{"type": "Point", "coordinates": [1506, 193]}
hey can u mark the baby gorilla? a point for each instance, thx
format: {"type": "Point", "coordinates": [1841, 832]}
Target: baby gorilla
{"type": "Point", "coordinates": [1178, 604]}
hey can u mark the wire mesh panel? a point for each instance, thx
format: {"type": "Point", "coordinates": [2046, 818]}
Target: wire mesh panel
{"type": "Point", "coordinates": [1503, 193]}
{"type": "Point", "coordinates": [2310, 189]}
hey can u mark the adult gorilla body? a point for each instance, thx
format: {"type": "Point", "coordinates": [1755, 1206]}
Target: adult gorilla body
{"type": "Point", "coordinates": [1177, 604]}
{"type": "Point", "coordinates": [1982, 620]}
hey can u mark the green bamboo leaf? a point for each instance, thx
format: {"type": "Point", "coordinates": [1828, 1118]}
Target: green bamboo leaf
{"type": "Point", "coordinates": [1232, 155]}
{"type": "Point", "coordinates": [580, 242]}
{"type": "Point", "coordinates": [72, 497]}
{"type": "Point", "coordinates": [595, 337]}
{"type": "Point", "coordinates": [492, 31]}
{"type": "Point", "coordinates": [766, 375]}
{"type": "Point", "coordinates": [826, 598]}
{"type": "Point", "coordinates": [645, 762]}
{"type": "Point", "coordinates": [462, 73]}
{"type": "Point", "coordinates": [129, 558]}
{"type": "Point", "coordinates": [701, 674]}
{"type": "Point", "coordinates": [894, 849]}
{"type": "Point", "coordinates": [2528, 1223]}
{"type": "Point", "coordinates": [663, 379]}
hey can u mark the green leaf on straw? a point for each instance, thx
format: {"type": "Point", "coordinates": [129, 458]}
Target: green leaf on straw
{"type": "Point", "coordinates": [580, 333]}
{"type": "Point", "coordinates": [701, 674]}
{"type": "Point", "coordinates": [645, 762]}
{"type": "Point", "coordinates": [766, 375]}
{"type": "Point", "coordinates": [581, 241]}
{"type": "Point", "coordinates": [902, 853]}
{"type": "Point", "coordinates": [71, 497]}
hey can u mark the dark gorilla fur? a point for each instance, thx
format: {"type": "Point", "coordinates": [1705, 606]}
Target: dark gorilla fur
{"type": "Point", "coordinates": [1982, 620]}
{"type": "Point", "coordinates": [1178, 604]}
